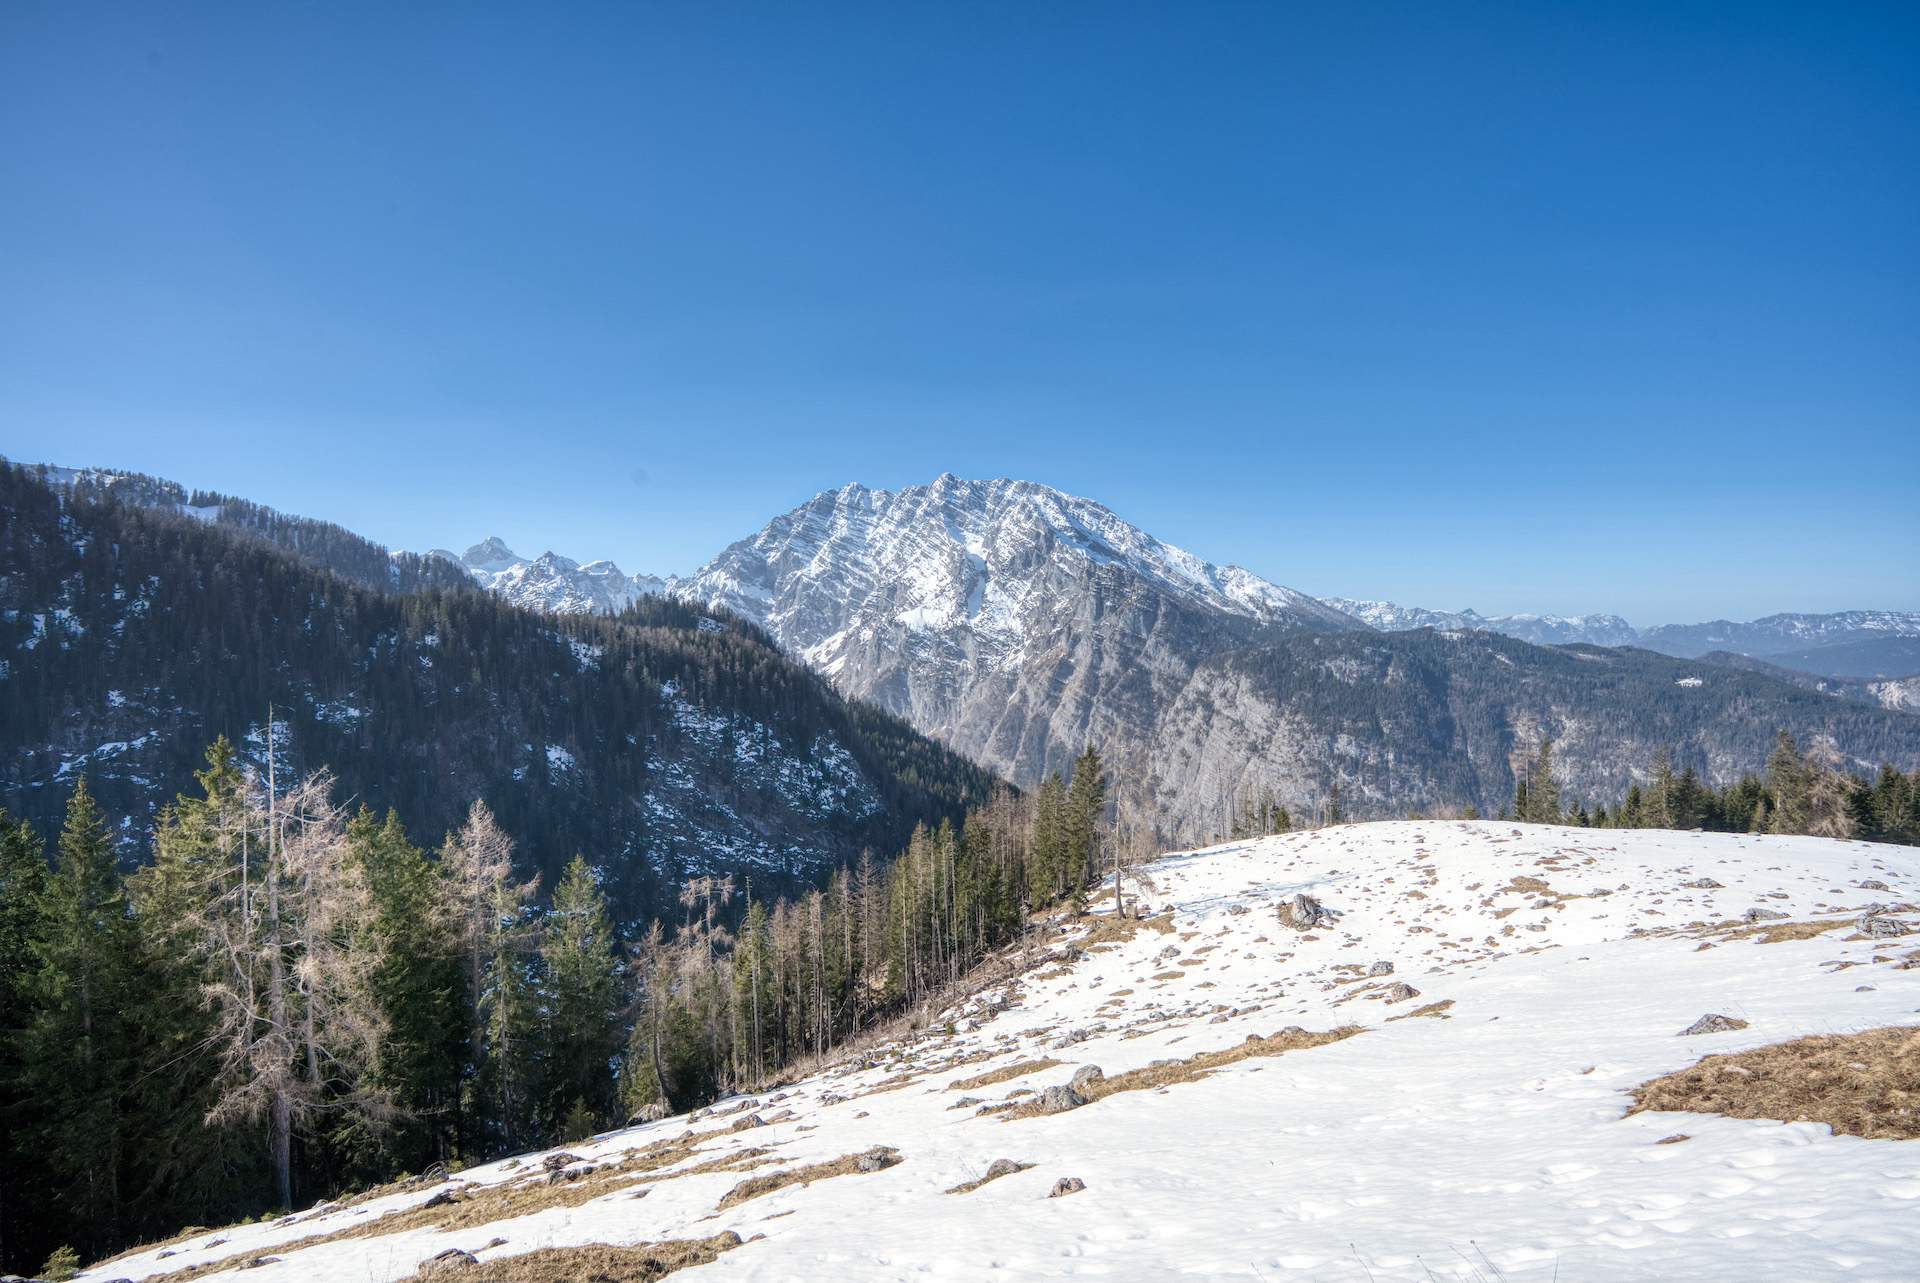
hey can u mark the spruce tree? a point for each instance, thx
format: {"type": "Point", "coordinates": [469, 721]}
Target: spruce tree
{"type": "Point", "coordinates": [582, 992]}
{"type": "Point", "coordinates": [1543, 794]}
{"type": "Point", "coordinates": [1787, 782]}
{"type": "Point", "coordinates": [78, 1046]}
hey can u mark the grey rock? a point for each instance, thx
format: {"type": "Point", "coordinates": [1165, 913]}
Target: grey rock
{"type": "Point", "coordinates": [1874, 884]}
{"type": "Point", "coordinates": [1762, 915]}
{"type": "Point", "coordinates": [1712, 1023]}
{"type": "Point", "coordinates": [1380, 969]}
{"type": "Point", "coordinates": [1882, 928]}
{"type": "Point", "coordinates": [452, 1258]}
{"type": "Point", "coordinates": [1058, 1100]}
{"type": "Point", "coordinates": [1308, 913]}
{"type": "Point", "coordinates": [1292, 1029]}
{"type": "Point", "coordinates": [554, 1162]}
{"type": "Point", "coordinates": [1001, 1167]}
{"type": "Point", "coordinates": [1778, 895]}
{"type": "Point", "coordinates": [1085, 1076]}
{"type": "Point", "coordinates": [440, 1199]}
{"type": "Point", "coordinates": [1067, 1185]}
{"type": "Point", "coordinates": [1541, 904]}
{"type": "Point", "coordinates": [1401, 992]}
{"type": "Point", "coordinates": [1236, 909]}
{"type": "Point", "coordinates": [965, 1102]}
{"type": "Point", "coordinates": [876, 1159]}
{"type": "Point", "coordinates": [1704, 884]}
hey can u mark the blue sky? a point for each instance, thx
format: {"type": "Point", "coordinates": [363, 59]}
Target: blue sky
{"type": "Point", "coordinates": [1534, 306]}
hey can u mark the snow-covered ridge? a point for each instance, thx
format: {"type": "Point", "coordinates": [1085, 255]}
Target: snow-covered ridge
{"type": "Point", "coordinates": [550, 582]}
{"type": "Point", "coordinates": [1547, 630]}
{"type": "Point", "coordinates": [1476, 1128]}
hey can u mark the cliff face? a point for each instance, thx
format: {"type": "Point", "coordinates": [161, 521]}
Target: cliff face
{"type": "Point", "coordinates": [1011, 621]}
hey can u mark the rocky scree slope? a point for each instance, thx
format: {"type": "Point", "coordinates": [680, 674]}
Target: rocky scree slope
{"type": "Point", "coordinates": [1369, 1051]}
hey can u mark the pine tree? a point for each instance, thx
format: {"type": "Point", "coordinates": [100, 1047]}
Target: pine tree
{"type": "Point", "coordinates": [23, 874]}
{"type": "Point", "coordinates": [1543, 794]}
{"type": "Point", "coordinates": [1086, 804]}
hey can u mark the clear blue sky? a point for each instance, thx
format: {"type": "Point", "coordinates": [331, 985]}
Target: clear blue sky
{"type": "Point", "coordinates": [1533, 306]}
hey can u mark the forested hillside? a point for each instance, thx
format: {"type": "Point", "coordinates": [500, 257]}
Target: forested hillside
{"type": "Point", "coordinates": [668, 741]}
{"type": "Point", "coordinates": [1422, 720]}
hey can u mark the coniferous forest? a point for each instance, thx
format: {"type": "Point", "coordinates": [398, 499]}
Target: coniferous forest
{"type": "Point", "coordinates": [292, 998]}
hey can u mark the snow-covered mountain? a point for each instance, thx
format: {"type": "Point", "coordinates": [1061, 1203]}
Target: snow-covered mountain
{"type": "Point", "coordinates": [1542, 630]}
{"type": "Point", "coordinates": [1443, 1081]}
{"type": "Point", "coordinates": [1012, 621]}
{"type": "Point", "coordinates": [550, 582]}
{"type": "Point", "coordinates": [1849, 643]}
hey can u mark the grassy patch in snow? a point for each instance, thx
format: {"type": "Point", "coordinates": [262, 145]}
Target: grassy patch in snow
{"type": "Point", "coordinates": [877, 1159]}
{"type": "Point", "coordinates": [641, 1263]}
{"type": "Point", "coordinates": [1007, 1074]}
{"type": "Point", "coordinates": [1199, 1066]}
{"type": "Point", "coordinates": [1865, 1084]}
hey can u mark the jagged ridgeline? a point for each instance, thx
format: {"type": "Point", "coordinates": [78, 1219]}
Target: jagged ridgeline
{"type": "Point", "coordinates": [1418, 719]}
{"type": "Point", "coordinates": [668, 741]}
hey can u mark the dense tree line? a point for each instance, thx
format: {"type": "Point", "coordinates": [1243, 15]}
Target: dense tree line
{"type": "Point", "coordinates": [1801, 792]}
{"type": "Point", "coordinates": [291, 998]}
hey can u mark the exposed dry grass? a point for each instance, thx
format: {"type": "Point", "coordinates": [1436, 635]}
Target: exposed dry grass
{"type": "Point", "coordinates": [845, 1165]}
{"type": "Point", "coordinates": [1864, 1084]}
{"type": "Point", "coordinates": [595, 1263]}
{"type": "Point", "coordinates": [1108, 929]}
{"type": "Point", "coordinates": [475, 1205]}
{"type": "Point", "coordinates": [1007, 1074]}
{"type": "Point", "coordinates": [1438, 1010]}
{"type": "Point", "coordinates": [967, 1187]}
{"type": "Point", "coordinates": [1199, 1066]}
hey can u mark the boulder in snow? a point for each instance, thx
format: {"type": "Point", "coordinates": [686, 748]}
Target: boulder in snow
{"type": "Point", "coordinates": [1086, 1076]}
{"type": "Point", "coordinates": [1882, 928]}
{"type": "Point", "coordinates": [1762, 915]}
{"type": "Point", "coordinates": [1874, 884]}
{"type": "Point", "coordinates": [1712, 1023]}
{"type": "Point", "coordinates": [1067, 1185]}
{"type": "Point", "coordinates": [1058, 1100]}
{"type": "Point", "coordinates": [1380, 969]}
{"type": "Point", "coordinates": [1704, 884]}
{"type": "Point", "coordinates": [1401, 991]}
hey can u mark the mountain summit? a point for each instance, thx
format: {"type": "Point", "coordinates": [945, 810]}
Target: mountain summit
{"type": "Point", "coordinates": [1012, 621]}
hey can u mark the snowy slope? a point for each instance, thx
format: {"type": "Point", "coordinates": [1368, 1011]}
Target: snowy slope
{"type": "Point", "coordinates": [1492, 1126]}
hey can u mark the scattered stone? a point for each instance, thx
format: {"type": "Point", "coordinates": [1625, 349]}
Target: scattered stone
{"type": "Point", "coordinates": [1674, 1139]}
{"type": "Point", "coordinates": [1882, 928]}
{"type": "Point", "coordinates": [1058, 1100]}
{"type": "Point", "coordinates": [875, 1160]}
{"type": "Point", "coordinates": [1863, 988]}
{"type": "Point", "coordinates": [1763, 915]}
{"type": "Point", "coordinates": [1704, 884]}
{"type": "Point", "coordinates": [1086, 1075]}
{"type": "Point", "coordinates": [1067, 1185]}
{"type": "Point", "coordinates": [1874, 884]}
{"type": "Point", "coordinates": [1160, 1064]}
{"type": "Point", "coordinates": [554, 1162]}
{"type": "Point", "coordinates": [751, 1120]}
{"type": "Point", "coordinates": [1304, 913]}
{"type": "Point", "coordinates": [1778, 895]}
{"type": "Point", "coordinates": [965, 1102]}
{"type": "Point", "coordinates": [495, 1242]}
{"type": "Point", "coordinates": [1380, 969]}
{"type": "Point", "coordinates": [1292, 1029]}
{"type": "Point", "coordinates": [255, 1262]}
{"type": "Point", "coordinates": [1712, 1023]}
{"type": "Point", "coordinates": [1875, 909]}
{"type": "Point", "coordinates": [1541, 903]}
{"type": "Point", "coordinates": [1401, 991]}
{"type": "Point", "coordinates": [1236, 909]}
{"type": "Point", "coordinates": [1001, 1167]}
{"type": "Point", "coordinates": [440, 1199]}
{"type": "Point", "coordinates": [1536, 926]}
{"type": "Point", "coordinates": [1600, 891]}
{"type": "Point", "coordinates": [831, 1099]}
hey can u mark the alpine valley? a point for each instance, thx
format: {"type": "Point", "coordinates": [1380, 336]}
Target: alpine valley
{"type": "Point", "coordinates": [1016, 624]}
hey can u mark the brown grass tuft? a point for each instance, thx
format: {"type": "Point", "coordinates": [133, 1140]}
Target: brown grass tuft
{"type": "Point", "coordinates": [1435, 1009]}
{"type": "Point", "coordinates": [967, 1187]}
{"type": "Point", "coordinates": [1865, 1084]}
{"type": "Point", "coordinates": [595, 1263]}
{"type": "Point", "coordinates": [1199, 1066]}
{"type": "Point", "coordinates": [845, 1165]}
{"type": "Point", "coordinates": [1008, 1074]}
{"type": "Point", "coordinates": [1779, 931]}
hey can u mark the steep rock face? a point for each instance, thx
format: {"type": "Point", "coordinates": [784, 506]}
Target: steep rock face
{"type": "Point", "coordinates": [1012, 621]}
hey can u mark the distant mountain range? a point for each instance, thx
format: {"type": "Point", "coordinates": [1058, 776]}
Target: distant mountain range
{"type": "Point", "coordinates": [1014, 624]}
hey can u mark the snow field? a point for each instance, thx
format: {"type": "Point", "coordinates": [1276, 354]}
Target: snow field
{"type": "Point", "coordinates": [1485, 1140]}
